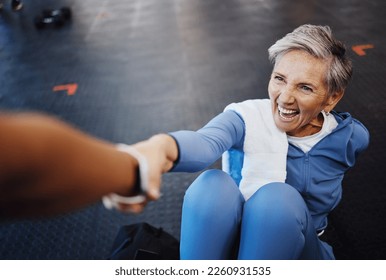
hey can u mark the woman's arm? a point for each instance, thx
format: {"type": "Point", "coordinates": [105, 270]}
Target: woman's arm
{"type": "Point", "coordinates": [198, 150]}
{"type": "Point", "coordinates": [190, 151]}
{"type": "Point", "coordinates": [48, 167]}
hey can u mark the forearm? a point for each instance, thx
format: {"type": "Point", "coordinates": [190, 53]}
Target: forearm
{"type": "Point", "coordinates": [199, 149]}
{"type": "Point", "coordinates": [196, 151]}
{"type": "Point", "coordinates": [48, 167]}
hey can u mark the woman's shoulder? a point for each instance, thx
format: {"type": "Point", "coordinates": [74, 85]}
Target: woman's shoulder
{"type": "Point", "coordinates": [249, 103]}
{"type": "Point", "coordinates": [250, 109]}
{"type": "Point", "coordinates": [359, 134]}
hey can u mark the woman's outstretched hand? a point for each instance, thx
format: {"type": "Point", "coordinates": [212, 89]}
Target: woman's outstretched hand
{"type": "Point", "coordinates": [159, 153]}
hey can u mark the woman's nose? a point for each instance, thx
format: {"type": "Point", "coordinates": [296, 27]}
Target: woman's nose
{"type": "Point", "coordinates": [286, 95]}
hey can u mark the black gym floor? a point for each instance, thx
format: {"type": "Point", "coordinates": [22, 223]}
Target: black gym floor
{"type": "Point", "coordinates": [141, 67]}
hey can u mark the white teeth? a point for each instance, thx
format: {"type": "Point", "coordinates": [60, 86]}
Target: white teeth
{"type": "Point", "coordinates": [287, 114]}
{"type": "Point", "coordinates": [286, 111]}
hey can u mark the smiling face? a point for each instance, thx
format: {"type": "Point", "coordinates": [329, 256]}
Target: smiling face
{"type": "Point", "coordinates": [298, 93]}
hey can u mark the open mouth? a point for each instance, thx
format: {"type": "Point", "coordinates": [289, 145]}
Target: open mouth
{"type": "Point", "coordinates": [287, 114]}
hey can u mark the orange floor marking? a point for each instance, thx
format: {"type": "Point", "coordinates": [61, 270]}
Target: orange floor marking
{"type": "Point", "coordinates": [360, 49]}
{"type": "Point", "coordinates": [70, 88]}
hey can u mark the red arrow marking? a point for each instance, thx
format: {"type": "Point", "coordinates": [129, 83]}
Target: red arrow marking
{"type": "Point", "coordinates": [360, 49]}
{"type": "Point", "coordinates": [70, 88]}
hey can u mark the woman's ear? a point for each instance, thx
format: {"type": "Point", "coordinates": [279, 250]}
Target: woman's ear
{"type": "Point", "coordinates": [333, 100]}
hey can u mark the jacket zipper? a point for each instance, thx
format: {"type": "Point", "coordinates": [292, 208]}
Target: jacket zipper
{"type": "Point", "coordinates": [306, 175]}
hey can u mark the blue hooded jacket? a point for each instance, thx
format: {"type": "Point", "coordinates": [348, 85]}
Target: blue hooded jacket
{"type": "Point", "coordinates": [317, 174]}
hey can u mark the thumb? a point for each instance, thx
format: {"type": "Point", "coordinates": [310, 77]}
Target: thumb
{"type": "Point", "coordinates": [154, 186]}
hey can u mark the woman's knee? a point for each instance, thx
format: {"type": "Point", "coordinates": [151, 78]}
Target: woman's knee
{"type": "Point", "coordinates": [212, 188]}
{"type": "Point", "coordinates": [277, 199]}
{"type": "Point", "coordinates": [212, 181]}
{"type": "Point", "coordinates": [211, 216]}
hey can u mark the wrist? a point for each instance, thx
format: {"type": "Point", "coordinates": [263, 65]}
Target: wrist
{"type": "Point", "coordinates": [139, 186]}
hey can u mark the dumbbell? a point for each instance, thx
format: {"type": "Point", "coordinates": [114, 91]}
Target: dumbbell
{"type": "Point", "coordinates": [56, 17]}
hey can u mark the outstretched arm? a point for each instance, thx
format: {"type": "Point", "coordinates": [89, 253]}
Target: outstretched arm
{"type": "Point", "coordinates": [199, 149]}
{"type": "Point", "coordinates": [48, 167]}
{"type": "Point", "coordinates": [190, 151]}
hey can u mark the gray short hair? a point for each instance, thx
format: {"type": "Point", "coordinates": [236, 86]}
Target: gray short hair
{"type": "Point", "coordinates": [319, 42]}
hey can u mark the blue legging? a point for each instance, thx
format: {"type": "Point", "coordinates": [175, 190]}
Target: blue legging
{"type": "Point", "coordinates": [273, 224]}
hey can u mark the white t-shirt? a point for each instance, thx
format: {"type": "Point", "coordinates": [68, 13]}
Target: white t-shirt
{"type": "Point", "coordinates": [307, 142]}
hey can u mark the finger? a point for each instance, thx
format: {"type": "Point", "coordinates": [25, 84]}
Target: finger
{"type": "Point", "coordinates": [154, 185]}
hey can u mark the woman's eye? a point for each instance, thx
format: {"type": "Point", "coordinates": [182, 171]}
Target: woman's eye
{"type": "Point", "coordinates": [306, 88]}
{"type": "Point", "coordinates": [278, 78]}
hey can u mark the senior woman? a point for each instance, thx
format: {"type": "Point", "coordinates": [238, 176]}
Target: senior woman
{"type": "Point", "coordinates": [284, 159]}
